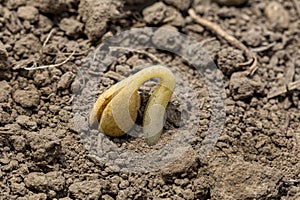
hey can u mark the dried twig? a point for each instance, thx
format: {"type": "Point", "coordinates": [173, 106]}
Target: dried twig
{"type": "Point", "coordinates": [54, 54]}
{"type": "Point", "coordinates": [263, 48]}
{"type": "Point", "coordinates": [34, 66]}
{"type": "Point", "coordinates": [229, 38]}
{"type": "Point", "coordinates": [47, 38]}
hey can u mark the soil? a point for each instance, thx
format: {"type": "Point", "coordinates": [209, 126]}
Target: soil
{"type": "Point", "coordinates": [48, 151]}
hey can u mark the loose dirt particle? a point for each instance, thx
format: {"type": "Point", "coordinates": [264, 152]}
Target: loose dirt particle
{"type": "Point", "coordinates": [155, 14]}
{"type": "Point", "coordinates": [181, 166]}
{"type": "Point", "coordinates": [14, 4]}
{"type": "Point", "coordinates": [227, 59]}
{"type": "Point", "coordinates": [42, 79]}
{"type": "Point", "coordinates": [29, 44]}
{"type": "Point", "coordinates": [167, 39]}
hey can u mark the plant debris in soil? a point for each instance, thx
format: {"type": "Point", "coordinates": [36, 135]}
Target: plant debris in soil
{"type": "Point", "coordinates": [257, 155]}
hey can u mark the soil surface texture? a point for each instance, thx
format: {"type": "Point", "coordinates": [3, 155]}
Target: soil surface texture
{"type": "Point", "coordinates": [58, 56]}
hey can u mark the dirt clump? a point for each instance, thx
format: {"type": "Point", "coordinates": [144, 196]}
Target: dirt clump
{"type": "Point", "coordinates": [29, 13]}
{"type": "Point", "coordinates": [86, 189]}
{"type": "Point", "coordinates": [71, 27]}
{"type": "Point", "coordinates": [50, 6]}
{"type": "Point", "coordinates": [243, 87]}
{"type": "Point", "coordinates": [95, 15]}
{"type": "Point", "coordinates": [240, 175]}
{"type": "Point", "coordinates": [159, 13]}
{"type": "Point", "coordinates": [27, 98]}
{"type": "Point", "coordinates": [277, 15]}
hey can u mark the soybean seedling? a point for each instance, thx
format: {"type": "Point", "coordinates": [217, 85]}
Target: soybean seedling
{"type": "Point", "coordinates": [115, 110]}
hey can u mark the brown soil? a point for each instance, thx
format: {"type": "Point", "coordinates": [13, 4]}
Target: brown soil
{"type": "Point", "coordinates": [44, 153]}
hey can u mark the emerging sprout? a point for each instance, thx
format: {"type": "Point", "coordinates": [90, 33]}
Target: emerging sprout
{"type": "Point", "coordinates": [115, 111]}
